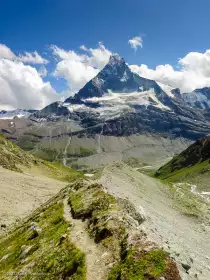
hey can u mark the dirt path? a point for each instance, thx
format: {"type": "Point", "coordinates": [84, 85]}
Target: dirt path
{"type": "Point", "coordinates": [186, 239]}
{"type": "Point", "coordinates": [96, 257]}
{"type": "Point", "coordinates": [21, 193]}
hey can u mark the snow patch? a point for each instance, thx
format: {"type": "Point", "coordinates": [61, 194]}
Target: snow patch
{"type": "Point", "coordinates": [167, 89]}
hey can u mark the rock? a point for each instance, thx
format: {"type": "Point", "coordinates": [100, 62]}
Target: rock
{"type": "Point", "coordinates": [137, 214]}
{"type": "Point", "coordinates": [191, 259]}
{"type": "Point", "coordinates": [34, 231]}
{"type": "Point", "coordinates": [32, 234]}
{"type": "Point", "coordinates": [3, 226]}
{"type": "Point", "coordinates": [62, 238]}
{"type": "Point", "coordinates": [186, 267]}
{"type": "Point", "coordinates": [27, 250]}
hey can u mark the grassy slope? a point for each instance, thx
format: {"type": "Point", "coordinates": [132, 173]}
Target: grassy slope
{"type": "Point", "coordinates": [191, 167]}
{"type": "Point", "coordinates": [189, 173]}
{"type": "Point", "coordinates": [108, 225]}
{"type": "Point", "coordinates": [48, 253]}
{"type": "Point", "coordinates": [15, 159]}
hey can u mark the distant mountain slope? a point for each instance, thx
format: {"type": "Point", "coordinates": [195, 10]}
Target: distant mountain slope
{"type": "Point", "coordinates": [20, 113]}
{"type": "Point", "coordinates": [191, 166]}
{"type": "Point", "coordinates": [14, 158]}
{"type": "Point", "coordinates": [199, 98]}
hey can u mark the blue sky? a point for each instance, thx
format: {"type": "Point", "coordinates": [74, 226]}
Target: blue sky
{"type": "Point", "coordinates": [170, 30]}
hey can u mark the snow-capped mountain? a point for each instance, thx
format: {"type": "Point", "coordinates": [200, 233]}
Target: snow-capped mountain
{"type": "Point", "coordinates": [199, 98]}
{"type": "Point", "coordinates": [117, 112]}
{"type": "Point", "coordinates": [125, 103]}
{"type": "Point", "coordinates": [114, 91]}
{"type": "Point", "coordinates": [116, 77]}
{"type": "Point", "coordinates": [20, 113]}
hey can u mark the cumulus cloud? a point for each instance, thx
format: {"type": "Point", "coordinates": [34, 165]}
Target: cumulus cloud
{"type": "Point", "coordinates": [43, 71]}
{"type": "Point", "coordinates": [5, 52]}
{"type": "Point", "coordinates": [136, 42]}
{"type": "Point", "coordinates": [78, 68]}
{"type": "Point", "coordinates": [32, 58]}
{"type": "Point", "coordinates": [194, 72]}
{"type": "Point", "coordinates": [27, 57]}
{"type": "Point", "coordinates": [22, 87]}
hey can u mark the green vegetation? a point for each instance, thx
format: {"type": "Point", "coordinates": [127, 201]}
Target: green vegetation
{"type": "Point", "coordinates": [63, 173]}
{"type": "Point", "coordinates": [187, 202]}
{"type": "Point", "coordinates": [86, 152]}
{"type": "Point", "coordinates": [41, 246]}
{"type": "Point", "coordinates": [184, 200]}
{"type": "Point", "coordinates": [189, 173]}
{"type": "Point", "coordinates": [101, 210]}
{"type": "Point", "coordinates": [136, 258]}
{"type": "Point", "coordinates": [137, 266]}
{"type": "Point", "coordinates": [192, 165]}
{"type": "Point", "coordinates": [46, 154]}
{"type": "Point", "coordinates": [189, 169]}
{"type": "Point", "coordinates": [134, 162]}
{"type": "Point", "coordinates": [87, 202]}
{"type": "Point", "coordinates": [11, 156]}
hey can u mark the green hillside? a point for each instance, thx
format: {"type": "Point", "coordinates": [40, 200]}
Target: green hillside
{"type": "Point", "coordinates": [14, 158]}
{"type": "Point", "coordinates": [192, 165]}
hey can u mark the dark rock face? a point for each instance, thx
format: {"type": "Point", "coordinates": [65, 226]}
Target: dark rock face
{"type": "Point", "coordinates": [152, 120]}
{"type": "Point", "coordinates": [197, 152]}
{"type": "Point", "coordinates": [54, 109]}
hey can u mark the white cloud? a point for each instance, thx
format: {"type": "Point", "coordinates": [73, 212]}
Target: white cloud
{"type": "Point", "coordinates": [5, 52]}
{"type": "Point", "coordinates": [194, 72]}
{"type": "Point", "coordinates": [43, 71]}
{"type": "Point", "coordinates": [136, 42]}
{"type": "Point", "coordinates": [33, 58]}
{"type": "Point", "coordinates": [27, 57]}
{"type": "Point", "coordinates": [22, 87]}
{"type": "Point", "coordinates": [79, 68]}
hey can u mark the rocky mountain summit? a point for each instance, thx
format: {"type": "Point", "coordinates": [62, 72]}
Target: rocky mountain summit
{"type": "Point", "coordinates": [132, 104]}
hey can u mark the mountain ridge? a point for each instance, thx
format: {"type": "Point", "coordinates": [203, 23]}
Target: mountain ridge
{"type": "Point", "coordinates": [114, 106]}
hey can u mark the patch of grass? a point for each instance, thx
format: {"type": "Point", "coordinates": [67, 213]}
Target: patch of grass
{"type": "Point", "coordinates": [86, 152]}
{"type": "Point", "coordinates": [183, 174]}
{"type": "Point", "coordinates": [63, 173]}
{"type": "Point", "coordinates": [11, 156]}
{"type": "Point", "coordinates": [150, 265]}
{"type": "Point", "coordinates": [47, 154]}
{"type": "Point", "coordinates": [187, 203]}
{"type": "Point", "coordinates": [105, 222]}
{"type": "Point", "coordinates": [136, 258]}
{"type": "Point", "coordinates": [90, 201]}
{"type": "Point", "coordinates": [51, 257]}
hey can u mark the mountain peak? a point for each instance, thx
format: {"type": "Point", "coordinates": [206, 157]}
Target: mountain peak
{"type": "Point", "coordinates": [115, 58]}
